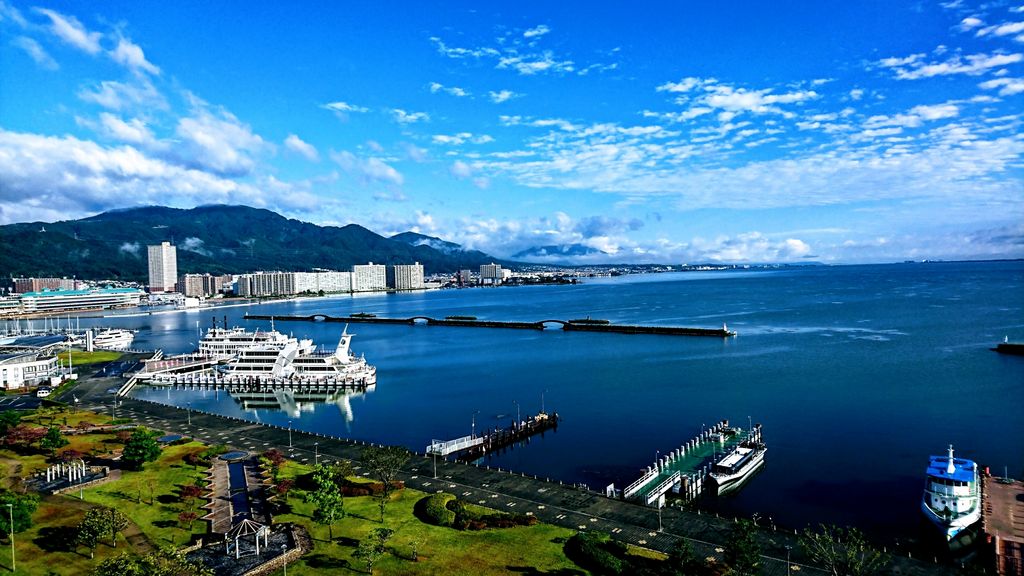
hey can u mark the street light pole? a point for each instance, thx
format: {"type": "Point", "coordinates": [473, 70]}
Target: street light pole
{"type": "Point", "coordinates": [284, 548]}
{"type": "Point", "coordinates": [189, 404]}
{"type": "Point", "coordinates": [788, 548]}
{"type": "Point", "coordinates": [10, 509]}
{"type": "Point", "coordinates": [289, 434]}
{"type": "Point", "coordinates": [473, 433]}
{"type": "Point", "coordinates": [316, 453]}
{"type": "Point", "coordinates": [518, 417]}
{"type": "Point", "coordinates": [659, 515]}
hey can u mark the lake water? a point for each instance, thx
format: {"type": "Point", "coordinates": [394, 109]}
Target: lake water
{"type": "Point", "coordinates": [857, 373]}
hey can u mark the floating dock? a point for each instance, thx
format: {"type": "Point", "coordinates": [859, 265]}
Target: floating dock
{"type": "Point", "coordinates": [566, 325]}
{"type": "Point", "coordinates": [684, 471]}
{"type": "Point", "coordinates": [1015, 348]}
{"type": "Point", "coordinates": [469, 448]}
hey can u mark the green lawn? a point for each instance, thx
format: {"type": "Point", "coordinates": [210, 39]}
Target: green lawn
{"type": "Point", "coordinates": [82, 358]}
{"type": "Point", "coordinates": [442, 551]}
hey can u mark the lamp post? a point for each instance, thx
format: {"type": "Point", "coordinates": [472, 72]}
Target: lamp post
{"type": "Point", "coordinates": [284, 548]}
{"type": "Point", "coordinates": [788, 548]}
{"type": "Point", "coordinates": [189, 404]}
{"type": "Point", "coordinates": [473, 430]}
{"type": "Point", "coordinates": [518, 417]}
{"type": "Point", "coordinates": [10, 509]}
{"type": "Point", "coordinates": [289, 434]}
{"type": "Point", "coordinates": [316, 453]}
{"type": "Point", "coordinates": [659, 514]}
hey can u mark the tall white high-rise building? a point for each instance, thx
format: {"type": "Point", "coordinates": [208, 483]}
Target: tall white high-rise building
{"type": "Point", "coordinates": [163, 267]}
{"type": "Point", "coordinates": [491, 274]}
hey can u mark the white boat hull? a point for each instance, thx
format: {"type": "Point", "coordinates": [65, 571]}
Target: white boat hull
{"type": "Point", "coordinates": [725, 483]}
{"type": "Point", "coordinates": [951, 527]}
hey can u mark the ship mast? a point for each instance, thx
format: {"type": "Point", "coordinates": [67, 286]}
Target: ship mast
{"type": "Point", "coordinates": [950, 468]}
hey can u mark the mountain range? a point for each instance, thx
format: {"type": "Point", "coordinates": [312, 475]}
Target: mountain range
{"type": "Point", "coordinates": [214, 239]}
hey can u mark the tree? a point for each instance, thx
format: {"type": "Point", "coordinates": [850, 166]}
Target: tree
{"type": "Point", "coordinates": [742, 551]}
{"type": "Point", "coordinates": [141, 447]}
{"type": "Point", "coordinates": [70, 455]}
{"type": "Point", "coordinates": [8, 419]}
{"type": "Point", "coordinates": [24, 506]}
{"type": "Point", "coordinates": [682, 560]}
{"type": "Point", "coordinates": [53, 440]}
{"type": "Point", "coordinates": [372, 547]}
{"type": "Point", "coordinates": [385, 462]}
{"type": "Point", "coordinates": [283, 487]}
{"type": "Point", "coordinates": [165, 562]}
{"type": "Point", "coordinates": [187, 517]}
{"type": "Point", "coordinates": [274, 459]}
{"type": "Point", "coordinates": [330, 506]}
{"type": "Point", "coordinates": [90, 530]}
{"type": "Point", "coordinates": [23, 436]}
{"type": "Point", "coordinates": [843, 552]}
{"type": "Point", "coordinates": [190, 492]}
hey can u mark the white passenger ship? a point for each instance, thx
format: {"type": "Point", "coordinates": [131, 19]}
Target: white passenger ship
{"type": "Point", "coordinates": [275, 356]}
{"type": "Point", "coordinates": [952, 493]}
{"type": "Point", "coordinates": [739, 465]}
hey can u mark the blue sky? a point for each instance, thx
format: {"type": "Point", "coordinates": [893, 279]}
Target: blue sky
{"type": "Point", "coordinates": [662, 132]}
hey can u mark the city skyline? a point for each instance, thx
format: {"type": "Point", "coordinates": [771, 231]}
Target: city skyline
{"type": "Point", "coordinates": [831, 132]}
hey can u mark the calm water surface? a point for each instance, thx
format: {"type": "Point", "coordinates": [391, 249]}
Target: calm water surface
{"type": "Point", "coordinates": [858, 374]}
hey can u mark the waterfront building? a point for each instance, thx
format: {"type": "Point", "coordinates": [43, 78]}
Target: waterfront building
{"type": "Point", "coordinates": [163, 267]}
{"type": "Point", "coordinates": [464, 278]}
{"type": "Point", "coordinates": [200, 285]}
{"type": "Point", "coordinates": [369, 277]}
{"type": "Point", "coordinates": [491, 274]}
{"type": "Point", "coordinates": [326, 281]}
{"type": "Point", "coordinates": [10, 305]}
{"type": "Point", "coordinates": [70, 300]}
{"type": "Point", "coordinates": [29, 361]}
{"type": "Point", "coordinates": [405, 276]}
{"type": "Point", "coordinates": [22, 285]}
{"type": "Point", "coordinates": [259, 284]}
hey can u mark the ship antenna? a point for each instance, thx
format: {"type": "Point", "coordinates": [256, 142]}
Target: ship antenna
{"type": "Point", "coordinates": [271, 323]}
{"type": "Point", "coordinates": [950, 469]}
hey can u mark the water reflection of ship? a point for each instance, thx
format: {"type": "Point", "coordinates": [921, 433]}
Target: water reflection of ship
{"type": "Point", "coordinates": [294, 402]}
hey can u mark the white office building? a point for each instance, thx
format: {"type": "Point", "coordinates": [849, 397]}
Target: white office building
{"type": "Point", "coordinates": [369, 277]}
{"type": "Point", "coordinates": [405, 276]}
{"type": "Point", "coordinates": [261, 284]}
{"type": "Point", "coordinates": [163, 268]}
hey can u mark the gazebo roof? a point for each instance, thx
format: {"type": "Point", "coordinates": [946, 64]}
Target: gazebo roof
{"type": "Point", "coordinates": [245, 528]}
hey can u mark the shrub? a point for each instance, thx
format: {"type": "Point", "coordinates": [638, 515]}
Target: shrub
{"type": "Point", "coordinates": [595, 552]}
{"type": "Point", "coordinates": [435, 509]}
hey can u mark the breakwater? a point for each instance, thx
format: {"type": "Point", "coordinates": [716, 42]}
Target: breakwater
{"type": "Point", "coordinates": [565, 325]}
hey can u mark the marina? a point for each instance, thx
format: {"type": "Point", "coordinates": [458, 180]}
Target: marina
{"type": "Point", "coordinates": [474, 447]}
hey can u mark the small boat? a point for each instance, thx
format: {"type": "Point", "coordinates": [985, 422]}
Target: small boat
{"type": "Point", "coordinates": [952, 494]}
{"type": "Point", "coordinates": [736, 467]}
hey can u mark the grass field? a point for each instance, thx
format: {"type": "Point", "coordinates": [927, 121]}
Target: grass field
{"type": "Point", "coordinates": [82, 358]}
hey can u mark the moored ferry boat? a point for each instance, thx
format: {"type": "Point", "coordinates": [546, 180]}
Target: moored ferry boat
{"type": "Point", "coordinates": [739, 465]}
{"type": "Point", "coordinates": [952, 493]}
{"type": "Point", "coordinates": [286, 357]}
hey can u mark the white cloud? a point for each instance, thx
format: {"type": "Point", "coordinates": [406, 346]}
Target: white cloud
{"type": "Point", "coordinates": [36, 52]}
{"type": "Point", "coordinates": [369, 170]}
{"type": "Point", "coordinates": [301, 147]}
{"type": "Point", "coordinates": [219, 142]}
{"type": "Point", "coordinates": [1004, 29]}
{"type": "Point", "coordinates": [914, 67]}
{"type": "Point", "coordinates": [71, 31]}
{"type": "Point", "coordinates": [461, 138]}
{"type": "Point", "coordinates": [193, 244]}
{"type": "Point", "coordinates": [684, 85]}
{"type": "Point", "coordinates": [8, 12]}
{"type": "Point", "coordinates": [131, 56]}
{"type": "Point", "coordinates": [536, 31]}
{"type": "Point", "coordinates": [64, 177]}
{"type": "Point", "coordinates": [460, 170]}
{"type": "Point", "coordinates": [131, 248]}
{"type": "Point", "coordinates": [345, 108]}
{"type": "Point", "coordinates": [1007, 86]}
{"type": "Point", "coordinates": [133, 131]}
{"type": "Point", "coordinates": [140, 95]}
{"type": "Point", "coordinates": [463, 52]}
{"type": "Point", "coordinates": [403, 117]}
{"type": "Point", "coordinates": [436, 87]}
{"type": "Point", "coordinates": [917, 116]}
{"type": "Point", "coordinates": [856, 94]}
{"type": "Point", "coordinates": [530, 64]}
{"type": "Point", "coordinates": [502, 96]}
{"type": "Point", "coordinates": [969, 23]}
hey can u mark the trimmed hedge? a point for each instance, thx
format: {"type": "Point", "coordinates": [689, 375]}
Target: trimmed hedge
{"type": "Point", "coordinates": [598, 553]}
{"type": "Point", "coordinates": [435, 509]}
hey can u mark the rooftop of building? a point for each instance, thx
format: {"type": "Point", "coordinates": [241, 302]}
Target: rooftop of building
{"type": "Point", "coordinates": [96, 291]}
